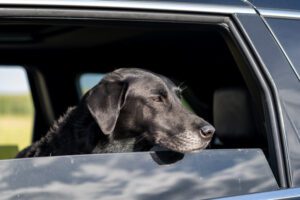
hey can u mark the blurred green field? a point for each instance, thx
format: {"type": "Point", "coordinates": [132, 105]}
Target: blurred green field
{"type": "Point", "coordinates": [15, 130]}
{"type": "Point", "coordinates": [16, 123]}
{"type": "Point", "coordinates": [16, 105]}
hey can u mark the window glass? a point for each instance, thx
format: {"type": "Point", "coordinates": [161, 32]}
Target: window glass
{"type": "Point", "coordinates": [16, 111]}
{"type": "Point", "coordinates": [89, 80]}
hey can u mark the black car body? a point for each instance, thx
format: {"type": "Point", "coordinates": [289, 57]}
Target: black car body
{"type": "Point", "coordinates": [212, 45]}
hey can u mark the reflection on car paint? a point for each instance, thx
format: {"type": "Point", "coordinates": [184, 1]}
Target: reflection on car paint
{"type": "Point", "coordinates": [287, 86]}
{"type": "Point", "coordinates": [205, 174]}
{"type": "Point", "coordinates": [293, 193]}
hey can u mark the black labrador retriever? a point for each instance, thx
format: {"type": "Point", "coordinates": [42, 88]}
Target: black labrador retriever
{"type": "Point", "coordinates": [129, 110]}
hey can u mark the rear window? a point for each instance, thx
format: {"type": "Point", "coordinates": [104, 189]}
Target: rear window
{"type": "Point", "coordinates": [88, 80]}
{"type": "Point", "coordinates": [16, 111]}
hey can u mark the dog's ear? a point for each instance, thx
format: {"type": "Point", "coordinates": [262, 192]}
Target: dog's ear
{"type": "Point", "coordinates": [105, 101]}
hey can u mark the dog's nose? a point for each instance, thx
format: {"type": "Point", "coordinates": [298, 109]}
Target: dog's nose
{"type": "Point", "coordinates": [207, 131]}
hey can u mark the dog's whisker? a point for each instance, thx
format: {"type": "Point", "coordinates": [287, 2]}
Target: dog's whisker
{"type": "Point", "coordinates": [181, 84]}
{"type": "Point", "coordinates": [183, 88]}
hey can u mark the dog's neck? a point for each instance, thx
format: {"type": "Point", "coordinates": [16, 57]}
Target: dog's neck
{"type": "Point", "coordinates": [76, 128]}
{"type": "Point", "coordinates": [79, 129]}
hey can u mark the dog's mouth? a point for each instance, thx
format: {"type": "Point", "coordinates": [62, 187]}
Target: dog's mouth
{"type": "Point", "coordinates": [183, 143]}
{"type": "Point", "coordinates": [184, 149]}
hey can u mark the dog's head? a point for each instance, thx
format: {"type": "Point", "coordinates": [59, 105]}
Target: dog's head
{"type": "Point", "coordinates": [140, 104]}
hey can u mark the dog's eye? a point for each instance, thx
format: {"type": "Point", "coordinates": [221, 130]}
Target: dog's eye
{"type": "Point", "coordinates": [157, 98]}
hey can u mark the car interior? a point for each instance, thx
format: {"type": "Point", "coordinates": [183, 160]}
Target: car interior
{"type": "Point", "coordinates": [204, 58]}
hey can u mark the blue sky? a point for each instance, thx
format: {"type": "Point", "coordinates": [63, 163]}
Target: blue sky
{"type": "Point", "coordinates": [89, 80]}
{"type": "Point", "coordinates": [13, 80]}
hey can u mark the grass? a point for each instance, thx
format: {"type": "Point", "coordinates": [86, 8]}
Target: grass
{"type": "Point", "coordinates": [15, 131]}
{"type": "Point", "coordinates": [16, 105]}
{"type": "Point", "coordinates": [16, 123]}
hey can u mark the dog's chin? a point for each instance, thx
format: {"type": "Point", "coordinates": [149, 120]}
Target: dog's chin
{"type": "Point", "coordinates": [182, 146]}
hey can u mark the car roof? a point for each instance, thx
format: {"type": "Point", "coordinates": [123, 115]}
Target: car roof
{"type": "Point", "coordinates": [278, 8]}
{"type": "Point", "coordinates": [216, 6]}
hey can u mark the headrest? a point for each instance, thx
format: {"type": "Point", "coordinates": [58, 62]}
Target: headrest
{"type": "Point", "coordinates": [233, 115]}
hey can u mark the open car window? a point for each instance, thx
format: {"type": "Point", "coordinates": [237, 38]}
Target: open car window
{"type": "Point", "coordinates": [16, 111]}
{"type": "Point", "coordinates": [87, 81]}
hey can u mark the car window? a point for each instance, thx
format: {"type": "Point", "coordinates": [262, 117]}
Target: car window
{"type": "Point", "coordinates": [287, 31]}
{"type": "Point", "coordinates": [88, 80]}
{"type": "Point", "coordinates": [16, 111]}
